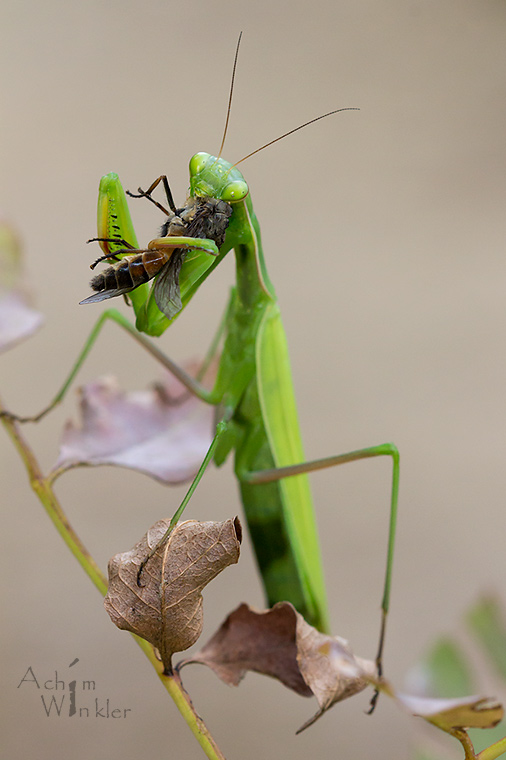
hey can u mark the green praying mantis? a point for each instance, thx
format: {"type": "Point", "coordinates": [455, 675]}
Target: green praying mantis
{"type": "Point", "coordinates": [253, 391]}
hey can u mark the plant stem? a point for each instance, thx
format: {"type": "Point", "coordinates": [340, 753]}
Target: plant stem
{"type": "Point", "coordinates": [464, 739]}
{"type": "Point", "coordinates": [495, 750]}
{"type": "Point", "coordinates": [52, 506]}
{"type": "Point", "coordinates": [197, 726]}
{"type": "Point", "coordinates": [42, 487]}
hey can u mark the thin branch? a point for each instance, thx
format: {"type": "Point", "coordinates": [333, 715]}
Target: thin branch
{"type": "Point", "coordinates": [42, 487]}
{"type": "Point", "coordinates": [495, 750]}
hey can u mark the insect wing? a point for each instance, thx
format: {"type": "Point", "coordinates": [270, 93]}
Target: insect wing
{"type": "Point", "coordinates": [166, 291]}
{"type": "Point", "coordinates": [102, 295]}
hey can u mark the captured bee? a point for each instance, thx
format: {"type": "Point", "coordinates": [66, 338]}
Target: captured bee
{"type": "Point", "coordinates": [201, 218]}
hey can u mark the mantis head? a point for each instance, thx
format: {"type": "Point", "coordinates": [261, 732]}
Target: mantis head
{"type": "Point", "coordinates": [216, 178]}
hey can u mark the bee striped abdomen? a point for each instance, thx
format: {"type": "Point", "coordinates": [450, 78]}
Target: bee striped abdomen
{"type": "Point", "coordinates": [131, 271]}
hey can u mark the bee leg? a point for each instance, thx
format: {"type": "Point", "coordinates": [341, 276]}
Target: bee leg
{"type": "Point", "coordinates": [108, 257]}
{"type": "Point", "coordinates": [114, 256]}
{"type": "Point", "coordinates": [147, 194]}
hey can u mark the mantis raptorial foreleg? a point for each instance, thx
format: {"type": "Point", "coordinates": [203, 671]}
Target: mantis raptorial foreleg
{"type": "Point", "coordinates": [158, 244]}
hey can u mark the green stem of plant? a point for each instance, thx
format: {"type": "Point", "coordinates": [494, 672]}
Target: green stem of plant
{"type": "Point", "coordinates": [52, 506]}
{"type": "Point", "coordinates": [184, 704]}
{"type": "Point", "coordinates": [42, 487]}
{"type": "Point", "coordinates": [495, 750]}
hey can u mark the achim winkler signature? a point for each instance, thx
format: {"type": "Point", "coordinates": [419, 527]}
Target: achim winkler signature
{"type": "Point", "coordinates": [72, 698]}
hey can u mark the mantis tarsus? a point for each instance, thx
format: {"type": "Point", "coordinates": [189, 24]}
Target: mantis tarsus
{"type": "Point", "coordinates": [253, 388]}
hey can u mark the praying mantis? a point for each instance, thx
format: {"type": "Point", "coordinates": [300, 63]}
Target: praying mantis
{"type": "Point", "coordinates": [253, 391]}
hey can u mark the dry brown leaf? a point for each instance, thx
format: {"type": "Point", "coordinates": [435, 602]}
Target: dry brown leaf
{"type": "Point", "coordinates": [259, 641]}
{"type": "Point", "coordinates": [142, 430]}
{"type": "Point", "coordinates": [330, 668]}
{"type": "Point", "coordinates": [167, 609]}
{"type": "Point", "coordinates": [279, 643]}
{"type": "Point", "coordinates": [17, 319]}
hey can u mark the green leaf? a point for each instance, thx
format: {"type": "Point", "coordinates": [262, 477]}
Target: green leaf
{"type": "Point", "coordinates": [446, 670]}
{"type": "Point", "coordinates": [487, 623]}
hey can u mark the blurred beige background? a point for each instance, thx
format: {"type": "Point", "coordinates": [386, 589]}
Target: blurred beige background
{"type": "Point", "coordinates": [384, 232]}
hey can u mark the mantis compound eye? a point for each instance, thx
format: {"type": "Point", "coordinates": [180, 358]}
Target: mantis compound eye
{"type": "Point", "coordinates": [235, 191]}
{"type": "Point", "coordinates": [197, 163]}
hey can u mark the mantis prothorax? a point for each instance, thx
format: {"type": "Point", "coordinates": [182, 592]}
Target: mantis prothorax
{"type": "Point", "coordinates": [253, 386]}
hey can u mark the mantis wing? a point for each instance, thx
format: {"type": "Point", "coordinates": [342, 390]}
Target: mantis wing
{"type": "Point", "coordinates": [279, 411]}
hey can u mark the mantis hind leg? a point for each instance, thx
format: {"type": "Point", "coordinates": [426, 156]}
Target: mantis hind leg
{"type": "Point", "coordinates": [385, 449]}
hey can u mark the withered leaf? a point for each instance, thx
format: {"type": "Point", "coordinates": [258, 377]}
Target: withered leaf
{"type": "Point", "coordinates": [17, 319]}
{"type": "Point", "coordinates": [167, 609]}
{"type": "Point", "coordinates": [150, 431]}
{"type": "Point", "coordinates": [330, 668]}
{"type": "Point", "coordinates": [451, 714]}
{"type": "Point", "coordinates": [264, 642]}
{"type": "Point", "coordinates": [279, 643]}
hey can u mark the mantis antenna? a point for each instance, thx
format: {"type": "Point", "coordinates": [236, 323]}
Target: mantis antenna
{"type": "Point", "coordinates": [307, 123]}
{"type": "Point", "coordinates": [230, 95]}
{"type": "Point", "coordinates": [323, 116]}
